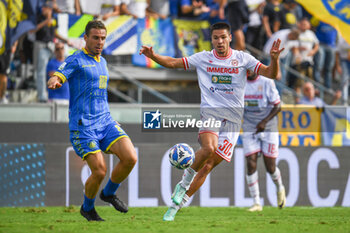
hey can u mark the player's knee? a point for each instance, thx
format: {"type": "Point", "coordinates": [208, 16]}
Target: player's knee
{"type": "Point", "coordinates": [209, 150]}
{"type": "Point", "coordinates": [100, 173]}
{"type": "Point", "coordinates": [130, 160]}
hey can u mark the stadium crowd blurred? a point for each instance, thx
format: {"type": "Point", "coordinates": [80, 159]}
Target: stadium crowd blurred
{"type": "Point", "coordinates": [312, 47]}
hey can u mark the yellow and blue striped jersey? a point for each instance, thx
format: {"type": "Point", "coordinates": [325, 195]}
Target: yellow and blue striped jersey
{"type": "Point", "coordinates": [88, 79]}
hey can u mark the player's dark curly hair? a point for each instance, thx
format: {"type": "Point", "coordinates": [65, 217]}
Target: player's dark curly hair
{"type": "Point", "coordinates": [220, 25]}
{"type": "Point", "coordinates": [97, 24]}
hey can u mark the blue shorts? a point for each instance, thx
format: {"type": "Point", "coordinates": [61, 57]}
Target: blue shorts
{"type": "Point", "coordinates": [92, 141]}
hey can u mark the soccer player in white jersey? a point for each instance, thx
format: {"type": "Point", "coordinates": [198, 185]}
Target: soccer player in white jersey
{"type": "Point", "coordinates": [222, 79]}
{"type": "Point", "coordinates": [260, 134]}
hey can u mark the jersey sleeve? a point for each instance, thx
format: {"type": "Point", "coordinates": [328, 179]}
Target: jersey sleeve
{"type": "Point", "coordinates": [67, 68]}
{"type": "Point", "coordinates": [192, 61]}
{"type": "Point", "coordinates": [272, 93]}
{"type": "Point", "coordinates": [251, 63]}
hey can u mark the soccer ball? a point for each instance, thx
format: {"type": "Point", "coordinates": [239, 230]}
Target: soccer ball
{"type": "Point", "coordinates": [181, 156]}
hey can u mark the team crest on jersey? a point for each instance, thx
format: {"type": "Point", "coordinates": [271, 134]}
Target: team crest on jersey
{"type": "Point", "coordinates": [221, 79]}
{"type": "Point", "coordinates": [62, 66]}
{"type": "Point", "coordinates": [92, 144]}
{"type": "Point", "coordinates": [234, 62]}
{"type": "Point", "coordinates": [260, 88]}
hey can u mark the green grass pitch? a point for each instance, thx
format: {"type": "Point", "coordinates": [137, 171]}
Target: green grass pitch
{"type": "Point", "coordinates": [191, 219]}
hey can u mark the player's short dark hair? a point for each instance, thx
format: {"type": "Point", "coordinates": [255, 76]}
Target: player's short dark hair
{"type": "Point", "coordinates": [97, 24]}
{"type": "Point", "coordinates": [219, 26]}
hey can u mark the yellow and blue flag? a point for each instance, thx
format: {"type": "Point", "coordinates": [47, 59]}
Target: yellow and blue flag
{"type": "Point", "coordinates": [73, 27]}
{"type": "Point", "coordinates": [333, 12]}
{"type": "Point", "coordinates": [3, 25]}
{"type": "Point", "coordinates": [121, 35]}
{"type": "Point", "coordinates": [191, 37]}
{"type": "Point", "coordinates": [336, 126]}
{"type": "Point", "coordinates": [16, 18]}
{"type": "Point", "coordinates": [121, 32]}
{"type": "Point", "coordinates": [156, 33]}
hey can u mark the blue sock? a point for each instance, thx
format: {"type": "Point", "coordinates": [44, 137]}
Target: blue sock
{"type": "Point", "coordinates": [110, 188]}
{"type": "Point", "coordinates": [88, 203]}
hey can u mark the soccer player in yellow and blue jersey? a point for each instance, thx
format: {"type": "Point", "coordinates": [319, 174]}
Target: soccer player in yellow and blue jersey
{"type": "Point", "coordinates": [92, 129]}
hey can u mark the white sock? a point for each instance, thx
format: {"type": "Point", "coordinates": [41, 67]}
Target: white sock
{"type": "Point", "coordinates": [277, 179]}
{"type": "Point", "coordinates": [253, 186]}
{"type": "Point", "coordinates": [187, 178]}
{"type": "Point", "coordinates": [177, 207]}
{"type": "Point", "coordinates": [184, 201]}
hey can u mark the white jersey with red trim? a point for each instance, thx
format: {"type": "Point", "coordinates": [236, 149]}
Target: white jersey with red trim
{"type": "Point", "coordinates": [222, 81]}
{"type": "Point", "coordinates": [259, 98]}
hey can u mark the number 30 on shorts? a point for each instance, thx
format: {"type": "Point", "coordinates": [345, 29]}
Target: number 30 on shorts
{"type": "Point", "coordinates": [226, 148]}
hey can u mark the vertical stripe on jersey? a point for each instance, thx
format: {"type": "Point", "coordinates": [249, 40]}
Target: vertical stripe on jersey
{"type": "Point", "coordinates": [85, 59]}
{"type": "Point", "coordinates": [92, 69]}
{"type": "Point", "coordinates": [99, 72]}
{"type": "Point", "coordinates": [80, 76]}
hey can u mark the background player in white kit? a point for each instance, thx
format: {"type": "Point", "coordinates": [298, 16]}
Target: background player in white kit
{"type": "Point", "coordinates": [260, 134]}
{"type": "Point", "coordinates": [222, 79]}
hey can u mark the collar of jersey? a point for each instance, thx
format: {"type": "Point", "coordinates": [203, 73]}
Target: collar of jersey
{"type": "Point", "coordinates": [97, 58]}
{"type": "Point", "coordinates": [222, 58]}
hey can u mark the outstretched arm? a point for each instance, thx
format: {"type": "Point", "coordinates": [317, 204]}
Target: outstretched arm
{"type": "Point", "coordinates": [271, 71]}
{"type": "Point", "coordinates": [165, 61]}
{"type": "Point", "coordinates": [54, 82]}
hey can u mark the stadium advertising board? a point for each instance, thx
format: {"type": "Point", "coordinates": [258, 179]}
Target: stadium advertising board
{"type": "Point", "coordinates": [312, 176]}
{"type": "Point", "coordinates": [49, 173]}
{"type": "Point", "coordinates": [299, 125]}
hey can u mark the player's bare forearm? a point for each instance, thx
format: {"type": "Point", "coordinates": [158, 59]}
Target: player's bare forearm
{"type": "Point", "coordinates": [273, 68]}
{"type": "Point", "coordinates": [168, 62]}
{"type": "Point", "coordinates": [262, 124]}
{"type": "Point", "coordinates": [222, 3]}
{"type": "Point", "coordinates": [165, 61]}
{"type": "Point", "coordinates": [274, 111]}
{"type": "Point", "coordinates": [54, 82]}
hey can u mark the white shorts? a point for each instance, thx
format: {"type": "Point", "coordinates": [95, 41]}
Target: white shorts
{"type": "Point", "coordinates": [227, 135]}
{"type": "Point", "coordinates": [265, 142]}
